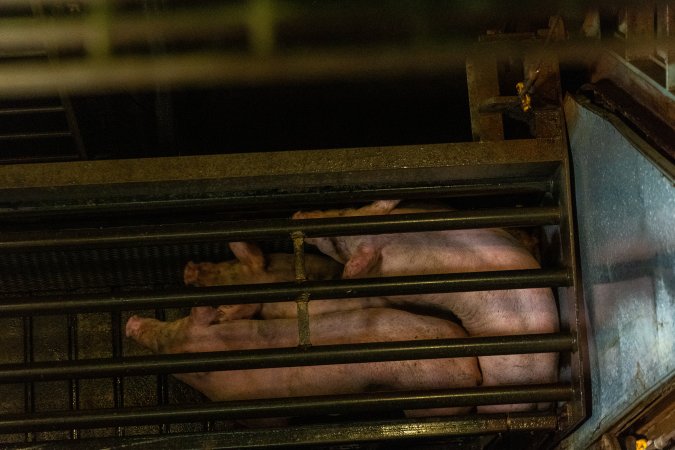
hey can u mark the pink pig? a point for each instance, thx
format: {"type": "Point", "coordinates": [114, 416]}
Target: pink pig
{"type": "Point", "coordinates": [253, 267]}
{"type": "Point", "coordinates": [201, 332]}
{"type": "Point", "coordinates": [484, 313]}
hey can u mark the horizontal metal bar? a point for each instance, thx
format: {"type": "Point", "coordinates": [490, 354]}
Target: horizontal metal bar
{"type": "Point", "coordinates": [483, 189]}
{"type": "Point", "coordinates": [328, 434]}
{"type": "Point", "coordinates": [43, 135]}
{"type": "Point", "coordinates": [28, 159]}
{"type": "Point", "coordinates": [125, 29]}
{"type": "Point", "coordinates": [283, 171]}
{"type": "Point", "coordinates": [33, 110]}
{"type": "Point", "coordinates": [115, 73]}
{"type": "Point", "coordinates": [280, 292]}
{"type": "Point", "coordinates": [261, 229]}
{"type": "Point", "coordinates": [90, 75]}
{"type": "Point", "coordinates": [287, 357]}
{"type": "Point", "coordinates": [280, 407]}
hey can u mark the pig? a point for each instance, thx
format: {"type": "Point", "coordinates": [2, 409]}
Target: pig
{"type": "Point", "coordinates": [201, 332]}
{"type": "Point", "coordinates": [251, 266]}
{"type": "Point", "coordinates": [484, 313]}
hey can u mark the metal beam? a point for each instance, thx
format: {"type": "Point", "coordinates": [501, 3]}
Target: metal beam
{"type": "Point", "coordinates": [287, 357]}
{"type": "Point", "coordinates": [271, 228]}
{"type": "Point", "coordinates": [295, 406]}
{"type": "Point", "coordinates": [331, 434]}
{"type": "Point", "coordinates": [280, 292]}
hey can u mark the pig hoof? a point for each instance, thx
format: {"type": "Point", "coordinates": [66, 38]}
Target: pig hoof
{"type": "Point", "coordinates": [191, 273]}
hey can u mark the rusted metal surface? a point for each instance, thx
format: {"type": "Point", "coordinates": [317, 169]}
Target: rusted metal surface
{"type": "Point", "coordinates": [665, 28]}
{"type": "Point", "coordinates": [340, 433]}
{"type": "Point", "coordinates": [645, 71]}
{"type": "Point", "coordinates": [294, 406]}
{"type": "Point", "coordinates": [302, 300]}
{"type": "Point", "coordinates": [375, 165]}
{"type": "Point", "coordinates": [651, 126]}
{"type": "Point", "coordinates": [483, 84]}
{"type": "Point", "coordinates": [636, 23]}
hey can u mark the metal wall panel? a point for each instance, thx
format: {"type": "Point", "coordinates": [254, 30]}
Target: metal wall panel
{"type": "Point", "coordinates": [626, 226]}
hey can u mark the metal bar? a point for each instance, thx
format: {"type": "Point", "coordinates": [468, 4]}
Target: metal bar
{"type": "Point", "coordinates": [73, 126]}
{"type": "Point", "coordinates": [29, 387]}
{"type": "Point", "coordinates": [483, 83]}
{"type": "Point", "coordinates": [43, 135]}
{"type": "Point", "coordinates": [131, 72]}
{"type": "Point", "coordinates": [280, 292]}
{"type": "Point", "coordinates": [118, 381]}
{"type": "Point", "coordinates": [296, 170]}
{"type": "Point", "coordinates": [261, 229]}
{"type": "Point", "coordinates": [117, 73]}
{"type": "Point", "coordinates": [119, 29]}
{"type": "Point", "coordinates": [332, 434]}
{"type": "Point", "coordinates": [297, 406]}
{"type": "Point", "coordinates": [666, 20]}
{"type": "Point", "coordinates": [162, 388]}
{"type": "Point", "coordinates": [289, 357]}
{"type": "Point", "coordinates": [302, 301]}
{"type": "Point", "coordinates": [535, 187]}
{"type": "Point", "coordinates": [38, 159]}
{"type": "Point", "coordinates": [73, 384]}
{"type": "Point", "coordinates": [34, 110]}
{"type": "Point", "coordinates": [66, 104]}
{"type": "Point", "coordinates": [639, 23]}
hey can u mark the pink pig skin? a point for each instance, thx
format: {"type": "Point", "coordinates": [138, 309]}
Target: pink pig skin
{"type": "Point", "coordinates": [252, 267]}
{"type": "Point", "coordinates": [485, 313]}
{"type": "Point", "coordinates": [201, 332]}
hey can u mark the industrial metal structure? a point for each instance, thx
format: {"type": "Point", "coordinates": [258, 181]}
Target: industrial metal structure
{"type": "Point", "coordinates": [114, 177]}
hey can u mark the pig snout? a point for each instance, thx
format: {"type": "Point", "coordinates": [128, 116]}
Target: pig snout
{"type": "Point", "coordinates": [145, 332]}
{"type": "Point", "coordinates": [133, 327]}
{"type": "Point", "coordinates": [191, 273]}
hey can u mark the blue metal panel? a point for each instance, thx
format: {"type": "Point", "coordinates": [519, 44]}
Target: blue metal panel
{"type": "Point", "coordinates": [626, 219]}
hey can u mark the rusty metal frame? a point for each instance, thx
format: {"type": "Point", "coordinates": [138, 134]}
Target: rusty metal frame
{"type": "Point", "coordinates": [539, 159]}
{"type": "Point", "coordinates": [540, 164]}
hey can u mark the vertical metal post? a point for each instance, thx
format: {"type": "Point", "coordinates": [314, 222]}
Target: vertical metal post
{"type": "Point", "coordinates": [483, 82]}
{"type": "Point", "coordinates": [73, 384]}
{"type": "Point", "coordinates": [118, 382]}
{"type": "Point", "coordinates": [639, 27]}
{"type": "Point", "coordinates": [97, 42]}
{"type": "Point", "coordinates": [162, 389]}
{"type": "Point", "coordinates": [261, 27]}
{"type": "Point", "coordinates": [29, 388]}
{"type": "Point", "coordinates": [665, 29]}
{"type": "Point", "coordinates": [302, 301]}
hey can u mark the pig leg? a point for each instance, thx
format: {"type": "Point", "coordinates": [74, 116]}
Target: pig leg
{"type": "Point", "coordinates": [377, 208]}
{"type": "Point", "coordinates": [252, 267]}
{"type": "Point", "coordinates": [195, 334]}
{"type": "Point", "coordinates": [504, 370]}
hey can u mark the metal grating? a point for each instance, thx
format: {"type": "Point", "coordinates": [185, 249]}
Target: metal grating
{"type": "Point", "coordinates": [116, 390]}
{"type": "Point", "coordinates": [71, 277]}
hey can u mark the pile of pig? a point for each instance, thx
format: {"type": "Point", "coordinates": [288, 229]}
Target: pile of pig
{"type": "Point", "coordinates": [484, 313]}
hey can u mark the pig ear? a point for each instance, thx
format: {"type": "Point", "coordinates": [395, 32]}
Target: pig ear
{"type": "Point", "coordinates": [248, 254]}
{"type": "Point", "coordinates": [364, 258]}
{"type": "Point", "coordinates": [381, 207]}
